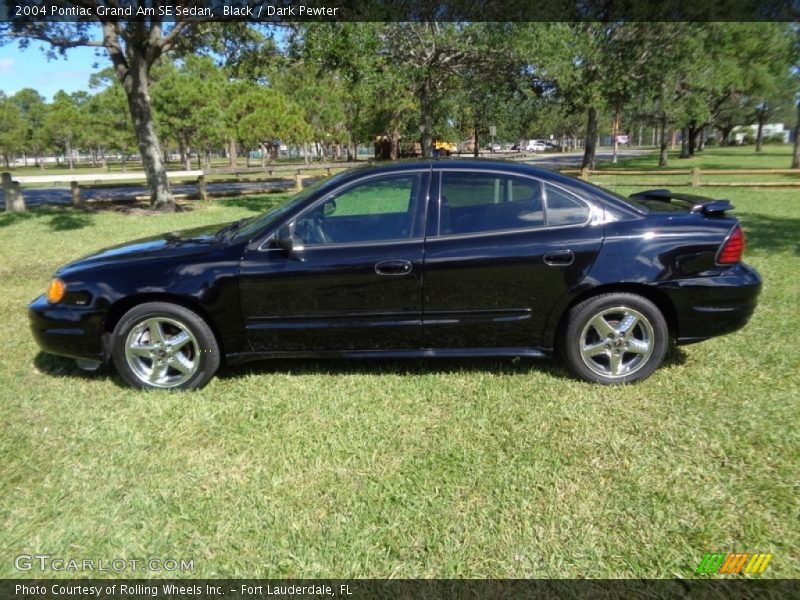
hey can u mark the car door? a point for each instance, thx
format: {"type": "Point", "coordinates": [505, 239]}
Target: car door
{"type": "Point", "coordinates": [500, 251]}
{"type": "Point", "coordinates": [353, 281]}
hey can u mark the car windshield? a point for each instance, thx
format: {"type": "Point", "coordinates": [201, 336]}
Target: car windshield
{"type": "Point", "coordinates": [252, 227]}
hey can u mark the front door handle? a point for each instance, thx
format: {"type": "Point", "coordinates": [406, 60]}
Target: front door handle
{"type": "Point", "coordinates": [393, 267]}
{"type": "Point", "coordinates": [559, 258]}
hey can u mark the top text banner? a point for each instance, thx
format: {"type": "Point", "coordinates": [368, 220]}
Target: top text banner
{"type": "Point", "coordinates": [280, 11]}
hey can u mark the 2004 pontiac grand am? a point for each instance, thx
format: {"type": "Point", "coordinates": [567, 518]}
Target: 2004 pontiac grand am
{"type": "Point", "coordinates": [430, 258]}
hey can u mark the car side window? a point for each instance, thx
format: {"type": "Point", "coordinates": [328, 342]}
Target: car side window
{"type": "Point", "coordinates": [378, 209]}
{"type": "Point", "coordinates": [564, 208]}
{"type": "Point", "coordinates": [483, 202]}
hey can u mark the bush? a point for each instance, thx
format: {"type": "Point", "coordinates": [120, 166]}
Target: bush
{"type": "Point", "coordinates": [775, 138]}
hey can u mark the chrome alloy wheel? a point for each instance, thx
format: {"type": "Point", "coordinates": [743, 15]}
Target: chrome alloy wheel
{"type": "Point", "coordinates": [617, 342]}
{"type": "Point", "coordinates": [162, 352]}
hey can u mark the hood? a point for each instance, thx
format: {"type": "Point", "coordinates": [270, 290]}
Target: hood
{"type": "Point", "coordinates": [173, 244]}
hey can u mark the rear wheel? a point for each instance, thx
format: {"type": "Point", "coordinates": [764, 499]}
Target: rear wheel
{"type": "Point", "coordinates": [615, 338]}
{"type": "Point", "coordinates": [159, 345]}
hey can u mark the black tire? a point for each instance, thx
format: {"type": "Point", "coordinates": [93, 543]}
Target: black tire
{"type": "Point", "coordinates": [158, 345]}
{"type": "Point", "coordinates": [614, 338]}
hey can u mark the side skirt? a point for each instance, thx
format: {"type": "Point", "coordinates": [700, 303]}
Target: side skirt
{"type": "Point", "coordinates": [242, 357]}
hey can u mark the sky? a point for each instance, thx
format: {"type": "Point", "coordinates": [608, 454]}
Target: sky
{"type": "Point", "coordinates": [31, 68]}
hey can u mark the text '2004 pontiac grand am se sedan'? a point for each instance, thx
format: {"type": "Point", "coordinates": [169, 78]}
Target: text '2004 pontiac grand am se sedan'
{"type": "Point", "coordinates": [431, 258]}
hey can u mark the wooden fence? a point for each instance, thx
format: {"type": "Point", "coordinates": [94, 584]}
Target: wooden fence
{"type": "Point", "coordinates": [15, 200]}
{"type": "Point", "coordinates": [694, 177]}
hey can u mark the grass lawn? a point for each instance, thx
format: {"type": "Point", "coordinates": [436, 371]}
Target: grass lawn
{"type": "Point", "coordinates": [772, 156]}
{"type": "Point", "coordinates": [468, 468]}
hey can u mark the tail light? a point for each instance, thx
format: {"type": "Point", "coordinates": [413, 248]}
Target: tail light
{"type": "Point", "coordinates": [732, 248]}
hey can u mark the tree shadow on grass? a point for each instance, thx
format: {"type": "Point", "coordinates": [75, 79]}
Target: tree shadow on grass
{"type": "Point", "coordinates": [779, 234]}
{"type": "Point", "coordinates": [61, 218]}
{"type": "Point", "coordinates": [257, 204]}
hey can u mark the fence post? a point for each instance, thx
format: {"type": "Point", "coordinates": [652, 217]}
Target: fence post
{"type": "Point", "coordinates": [585, 173]}
{"type": "Point", "coordinates": [329, 171]}
{"type": "Point", "coordinates": [298, 182]}
{"type": "Point", "coordinates": [201, 188]}
{"type": "Point", "coordinates": [76, 193]}
{"type": "Point", "coordinates": [7, 190]}
{"type": "Point", "coordinates": [696, 177]}
{"type": "Point", "coordinates": [15, 201]}
{"type": "Point", "coordinates": [18, 200]}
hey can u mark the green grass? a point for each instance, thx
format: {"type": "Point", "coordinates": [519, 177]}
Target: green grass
{"type": "Point", "coordinates": [772, 156]}
{"type": "Point", "coordinates": [475, 468]}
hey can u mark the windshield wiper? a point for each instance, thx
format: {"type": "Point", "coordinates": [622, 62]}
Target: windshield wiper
{"type": "Point", "coordinates": [228, 231]}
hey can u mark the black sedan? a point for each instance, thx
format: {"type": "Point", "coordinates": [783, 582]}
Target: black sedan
{"type": "Point", "coordinates": [431, 258]}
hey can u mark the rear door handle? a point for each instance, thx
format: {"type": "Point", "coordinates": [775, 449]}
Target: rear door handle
{"type": "Point", "coordinates": [559, 258]}
{"type": "Point", "coordinates": [393, 267]}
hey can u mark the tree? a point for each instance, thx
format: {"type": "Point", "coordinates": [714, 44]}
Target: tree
{"type": "Point", "coordinates": [188, 104]}
{"type": "Point", "coordinates": [133, 47]}
{"type": "Point", "coordinates": [260, 116]}
{"type": "Point", "coordinates": [429, 56]}
{"type": "Point", "coordinates": [12, 129]}
{"type": "Point", "coordinates": [32, 107]}
{"type": "Point", "coordinates": [350, 53]}
{"type": "Point", "coordinates": [63, 123]}
{"type": "Point", "coordinates": [795, 54]}
{"type": "Point", "coordinates": [318, 94]}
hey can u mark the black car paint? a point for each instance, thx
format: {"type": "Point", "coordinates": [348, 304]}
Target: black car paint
{"type": "Point", "coordinates": [484, 294]}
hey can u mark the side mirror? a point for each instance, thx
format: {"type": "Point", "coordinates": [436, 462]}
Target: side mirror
{"type": "Point", "coordinates": [285, 240]}
{"type": "Point", "coordinates": [329, 207]}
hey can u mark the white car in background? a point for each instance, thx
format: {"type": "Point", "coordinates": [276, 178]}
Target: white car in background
{"type": "Point", "coordinates": [535, 146]}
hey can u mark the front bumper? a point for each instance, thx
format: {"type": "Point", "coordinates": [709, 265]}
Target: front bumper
{"type": "Point", "coordinates": [707, 307]}
{"type": "Point", "coordinates": [66, 330]}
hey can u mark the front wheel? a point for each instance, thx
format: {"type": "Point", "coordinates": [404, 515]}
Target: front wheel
{"type": "Point", "coordinates": [614, 338]}
{"type": "Point", "coordinates": [159, 345]}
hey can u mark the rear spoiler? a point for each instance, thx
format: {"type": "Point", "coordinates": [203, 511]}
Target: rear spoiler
{"type": "Point", "coordinates": [696, 204]}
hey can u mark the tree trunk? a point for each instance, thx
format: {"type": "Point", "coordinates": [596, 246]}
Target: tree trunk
{"type": "Point", "coordinates": [184, 152]}
{"type": "Point", "coordinates": [693, 131]}
{"type": "Point", "coordinates": [476, 150]}
{"type": "Point", "coordinates": [796, 154]}
{"type": "Point", "coordinates": [701, 143]}
{"type": "Point", "coordinates": [138, 94]}
{"type": "Point", "coordinates": [663, 159]}
{"type": "Point", "coordinates": [233, 158]}
{"type": "Point", "coordinates": [591, 139]}
{"type": "Point", "coordinates": [425, 121]}
{"type": "Point", "coordinates": [726, 135]}
{"type": "Point", "coordinates": [394, 151]}
{"type": "Point", "coordinates": [760, 131]}
{"type": "Point", "coordinates": [684, 142]}
{"type": "Point", "coordinates": [70, 159]}
{"type": "Point", "coordinates": [263, 156]}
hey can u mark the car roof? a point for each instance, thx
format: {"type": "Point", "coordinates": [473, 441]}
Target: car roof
{"type": "Point", "coordinates": [467, 164]}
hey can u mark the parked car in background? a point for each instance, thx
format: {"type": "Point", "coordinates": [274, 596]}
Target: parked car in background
{"type": "Point", "coordinates": [535, 146]}
{"type": "Point", "coordinates": [426, 259]}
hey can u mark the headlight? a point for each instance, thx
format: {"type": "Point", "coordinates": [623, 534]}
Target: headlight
{"type": "Point", "coordinates": [56, 290]}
